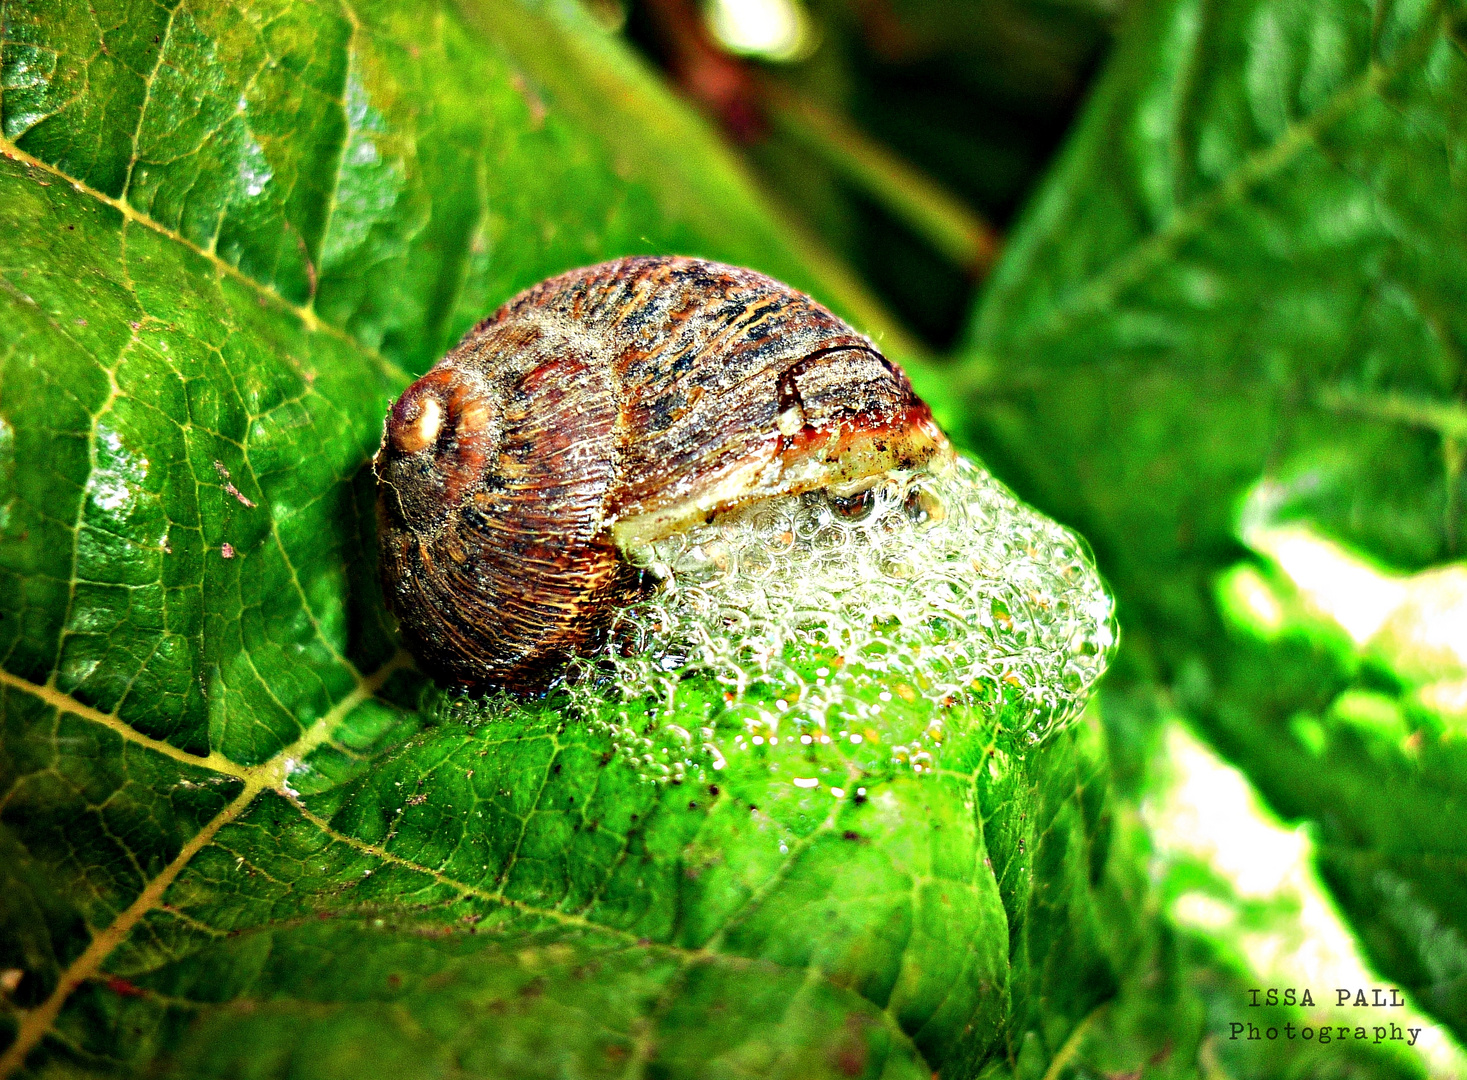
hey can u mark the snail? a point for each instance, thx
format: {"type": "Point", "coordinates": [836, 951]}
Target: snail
{"type": "Point", "coordinates": [606, 407]}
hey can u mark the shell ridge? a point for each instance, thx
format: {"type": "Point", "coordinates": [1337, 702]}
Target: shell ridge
{"type": "Point", "coordinates": [645, 392]}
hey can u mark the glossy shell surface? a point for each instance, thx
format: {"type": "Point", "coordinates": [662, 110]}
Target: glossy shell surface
{"type": "Point", "coordinates": [605, 407]}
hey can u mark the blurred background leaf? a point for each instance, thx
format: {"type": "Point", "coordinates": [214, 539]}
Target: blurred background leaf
{"type": "Point", "coordinates": [1227, 343]}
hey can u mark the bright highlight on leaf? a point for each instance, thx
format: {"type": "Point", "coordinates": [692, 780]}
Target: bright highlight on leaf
{"type": "Point", "coordinates": [1415, 623]}
{"type": "Point", "coordinates": [1239, 877]}
{"type": "Point", "coordinates": [1244, 278]}
{"type": "Point", "coordinates": [1333, 582]}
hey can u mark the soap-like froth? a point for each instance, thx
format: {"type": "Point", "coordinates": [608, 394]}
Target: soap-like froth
{"type": "Point", "coordinates": [812, 615]}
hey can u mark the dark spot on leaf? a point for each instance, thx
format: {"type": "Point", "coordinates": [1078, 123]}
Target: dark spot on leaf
{"type": "Point", "coordinates": [850, 1060]}
{"type": "Point", "coordinates": [852, 1051]}
{"type": "Point", "coordinates": [394, 981]}
{"type": "Point", "coordinates": [121, 986]}
{"type": "Point", "coordinates": [850, 835]}
{"type": "Point", "coordinates": [713, 789]}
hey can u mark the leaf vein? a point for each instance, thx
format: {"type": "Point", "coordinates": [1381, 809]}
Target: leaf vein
{"type": "Point", "coordinates": [705, 954]}
{"type": "Point", "coordinates": [306, 315]}
{"type": "Point", "coordinates": [37, 1022]}
{"type": "Point", "coordinates": [1131, 265]}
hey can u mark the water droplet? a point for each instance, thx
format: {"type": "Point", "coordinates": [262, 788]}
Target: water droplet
{"type": "Point", "coordinates": [939, 591]}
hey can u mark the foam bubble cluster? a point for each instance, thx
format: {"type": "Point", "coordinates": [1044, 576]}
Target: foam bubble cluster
{"type": "Point", "coordinates": [810, 614]}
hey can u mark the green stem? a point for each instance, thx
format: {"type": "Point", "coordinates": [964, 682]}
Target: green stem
{"type": "Point", "coordinates": [927, 208]}
{"type": "Point", "coordinates": [1447, 417]}
{"type": "Point", "coordinates": [1071, 1047]}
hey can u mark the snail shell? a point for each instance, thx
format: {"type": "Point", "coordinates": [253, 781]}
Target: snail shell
{"type": "Point", "coordinates": [606, 406]}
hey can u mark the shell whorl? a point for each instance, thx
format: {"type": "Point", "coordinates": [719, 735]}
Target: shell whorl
{"type": "Point", "coordinates": [610, 403]}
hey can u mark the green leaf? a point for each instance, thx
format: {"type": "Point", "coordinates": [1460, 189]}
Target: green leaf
{"type": "Point", "coordinates": [239, 835]}
{"type": "Point", "coordinates": [1242, 287]}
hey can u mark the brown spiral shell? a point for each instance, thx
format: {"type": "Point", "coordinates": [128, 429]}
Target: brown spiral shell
{"type": "Point", "coordinates": [612, 403]}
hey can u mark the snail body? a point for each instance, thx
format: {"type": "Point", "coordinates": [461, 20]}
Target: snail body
{"type": "Point", "coordinates": [605, 407]}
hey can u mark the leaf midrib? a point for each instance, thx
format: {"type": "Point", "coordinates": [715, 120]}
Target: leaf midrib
{"type": "Point", "coordinates": [270, 775]}
{"type": "Point", "coordinates": [35, 1023]}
